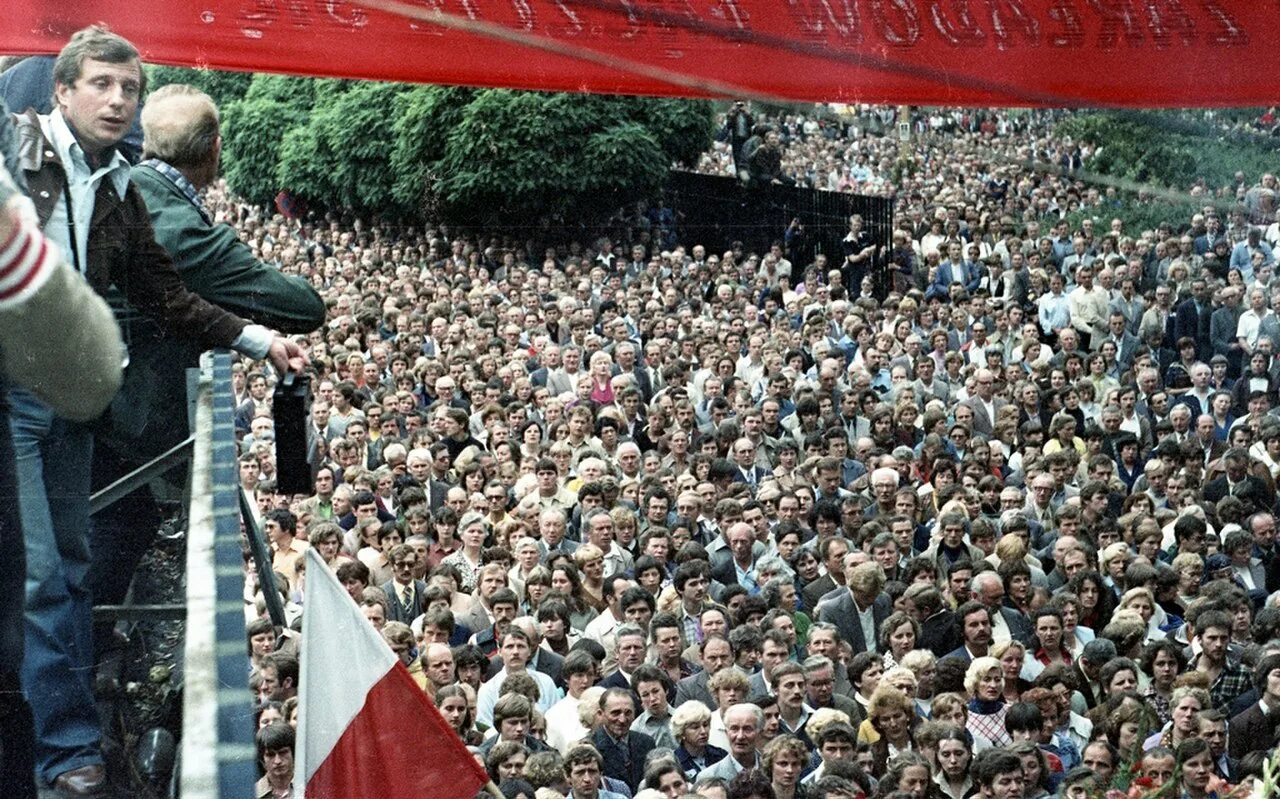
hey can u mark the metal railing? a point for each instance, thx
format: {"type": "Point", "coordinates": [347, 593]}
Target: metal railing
{"type": "Point", "coordinates": [217, 749]}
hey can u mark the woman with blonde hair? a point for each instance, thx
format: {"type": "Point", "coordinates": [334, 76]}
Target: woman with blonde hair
{"type": "Point", "coordinates": [625, 526]}
{"type": "Point", "coordinates": [728, 687]}
{"type": "Point", "coordinates": [984, 682]}
{"type": "Point", "coordinates": [691, 728]}
{"type": "Point", "coordinates": [1189, 567]}
{"type": "Point", "coordinates": [782, 761]}
{"type": "Point", "coordinates": [589, 559]}
{"type": "Point", "coordinates": [1112, 561]}
{"type": "Point", "coordinates": [1185, 706]}
{"type": "Point", "coordinates": [822, 718]}
{"type": "Point", "coordinates": [950, 708]}
{"type": "Point", "coordinates": [1013, 657]}
{"type": "Point", "coordinates": [1143, 602]}
{"type": "Point", "coordinates": [601, 367]}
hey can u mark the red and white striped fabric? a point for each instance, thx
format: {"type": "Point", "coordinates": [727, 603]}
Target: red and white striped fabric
{"type": "Point", "coordinates": [365, 728]}
{"type": "Point", "coordinates": [27, 260]}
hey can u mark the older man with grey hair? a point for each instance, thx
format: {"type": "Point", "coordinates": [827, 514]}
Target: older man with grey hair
{"type": "Point", "coordinates": [1006, 623]}
{"type": "Point", "coordinates": [598, 529]}
{"type": "Point", "coordinates": [742, 725]}
{"type": "Point", "coordinates": [552, 524]}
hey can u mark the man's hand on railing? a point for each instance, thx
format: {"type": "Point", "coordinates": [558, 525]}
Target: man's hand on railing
{"type": "Point", "coordinates": [286, 356]}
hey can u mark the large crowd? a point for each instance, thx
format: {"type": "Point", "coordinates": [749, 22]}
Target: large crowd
{"type": "Point", "coordinates": [647, 520]}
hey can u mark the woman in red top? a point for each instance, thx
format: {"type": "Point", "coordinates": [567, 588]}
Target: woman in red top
{"type": "Point", "coordinates": [602, 378]}
{"type": "Point", "coordinates": [1048, 648]}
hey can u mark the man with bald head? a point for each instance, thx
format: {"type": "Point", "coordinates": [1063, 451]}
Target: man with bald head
{"type": "Point", "coordinates": [437, 665]}
{"type": "Point", "coordinates": [984, 402]}
{"type": "Point", "coordinates": [740, 568]}
{"type": "Point", "coordinates": [182, 146]}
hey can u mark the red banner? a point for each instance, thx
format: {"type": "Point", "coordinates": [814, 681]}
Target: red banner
{"type": "Point", "coordinates": [953, 52]}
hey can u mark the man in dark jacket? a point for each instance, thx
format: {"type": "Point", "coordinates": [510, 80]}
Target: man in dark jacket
{"type": "Point", "coordinates": [182, 148]}
{"type": "Point", "coordinates": [87, 205]}
{"type": "Point", "coordinates": [70, 348]}
{"type": "Point", "coordinates": [622, 748]}
{"type": "Point", "coordinates": [1237, 482]}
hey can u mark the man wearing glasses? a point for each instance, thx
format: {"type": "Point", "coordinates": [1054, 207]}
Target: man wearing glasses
{"type": "Point", "coordinates": [403, 591]}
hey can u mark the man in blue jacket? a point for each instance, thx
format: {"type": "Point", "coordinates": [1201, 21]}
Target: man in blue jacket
{"type": "Point", "coordinates": [954, 270]}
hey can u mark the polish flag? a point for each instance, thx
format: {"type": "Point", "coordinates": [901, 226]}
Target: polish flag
{"type": "Point", "coordinates": [365, 728]}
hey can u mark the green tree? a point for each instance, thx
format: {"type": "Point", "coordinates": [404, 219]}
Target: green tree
{"type": "Point", "coordinates": [423, 118]}
{"type": "Point", "coordinates": [485, 156]}
{"type": "Point", "coordinates": [683, 127]}
{"type": "Point", "coordinates": [255, 128]}
{"type": "Point", "coordinates": [341, 156]}
{"type": "Point", "coordinates": [1169, 149]}
{"type": "Point", "coordinates": [297, 93]}
{"type": "Point", "coordinates": [251, 137]}
{"type": "Point", "coordinates": [532, 155]}
{"type": "Point", "coordinates": [223, 87]}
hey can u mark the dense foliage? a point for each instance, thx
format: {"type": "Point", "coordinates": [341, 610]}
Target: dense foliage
{"type": "Point", "coordinates": [1169, 149]}
{"type": "Point", "coordinates": [223, 87]}
{"type": "Point", "coordinates": [491, 156]}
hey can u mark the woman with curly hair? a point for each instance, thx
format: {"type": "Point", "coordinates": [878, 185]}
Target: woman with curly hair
{"type": "Point", "coordinates": [691, 728]}
{"type": "Point", "coordinates": [1096, 599]}
{"type": "Point", "coordinates": [892, 715]}
{"type": "Point", "coordinates": [782, 762]}
{"type": "Point", "coordinates": [908, 774]}
{"type": "Point", "coordinates": [898, 636]}
{"type": "Point", "coordinates": [1162, 661]}
{"type": "Point", "coordinates": [1184, 708]}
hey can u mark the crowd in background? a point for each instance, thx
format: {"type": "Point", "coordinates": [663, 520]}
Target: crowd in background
{"type": "Point", "coordinates": [642, 517]}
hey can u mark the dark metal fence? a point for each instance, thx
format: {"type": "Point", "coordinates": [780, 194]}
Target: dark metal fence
{"type": "Point", "coordinates": [718, 211]}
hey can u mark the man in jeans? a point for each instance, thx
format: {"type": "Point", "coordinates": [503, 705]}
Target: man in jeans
{"type": "Point", "coordinates": [70, 347]}
{"type": "Point", "coordinates": [87, 205]}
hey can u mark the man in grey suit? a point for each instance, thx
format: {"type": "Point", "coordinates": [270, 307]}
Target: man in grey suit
{"type": "Point", "coordinates": [859, 612]}
{"type": "Point", "coordinates": [716, 654]}
{"type": "Point", "coordinates": [552, 524]}
{"type": "Point", "coordinates": [742, 724]}
{"type": "Point", "coordinates": [418, 462]}
{"type": "Point", "coordinates": [1127, 343]}
{"type": "Point", "coordinates": [985, 404]}
{"type": "Point", "coordinates": [404, 594]}
{"type": "Point", "coordinates": [774, 651]}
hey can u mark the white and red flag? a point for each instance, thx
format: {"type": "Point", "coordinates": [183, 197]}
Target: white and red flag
{"type": "Point", "coordinates": [365, 728]}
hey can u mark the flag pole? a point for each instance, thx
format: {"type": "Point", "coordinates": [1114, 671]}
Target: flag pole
{"type": "Point", "coordinates": [493, 789]}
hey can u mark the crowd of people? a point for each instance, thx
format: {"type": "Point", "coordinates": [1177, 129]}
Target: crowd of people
{"type": "Point", "coordinates": [648, 520]}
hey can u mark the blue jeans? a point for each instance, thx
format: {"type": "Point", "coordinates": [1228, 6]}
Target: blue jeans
{"type": "Point", "coordinates": [53, 464]}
